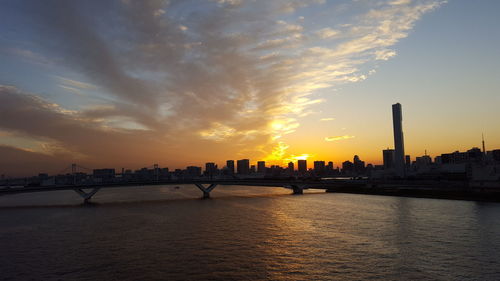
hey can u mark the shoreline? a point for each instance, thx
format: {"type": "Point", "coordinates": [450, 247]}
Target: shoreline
{"type": "Point", "coordinates": [451, 194]}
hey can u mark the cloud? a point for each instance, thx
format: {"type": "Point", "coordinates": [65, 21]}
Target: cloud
{"type": "Point", "coordinates": [72, 90]}
{"type": "Point", "coordinates": [400, 2]}
{"type": "Point", "coordinates": [75, 84]}
{"type": "Point", "coordinates": [28, 55]}
{"type": "Point", "coordinates": [327, 119]}
{"type": "Point", "coordinates": [327, 32]}
{"type": "Point", "coordinates": [337, 138]}
{"type": "Point", "coordinates": [215, 78]}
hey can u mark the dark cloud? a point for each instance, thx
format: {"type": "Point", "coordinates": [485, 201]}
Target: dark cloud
{"type": "Point", "coordinates": [18, 162]}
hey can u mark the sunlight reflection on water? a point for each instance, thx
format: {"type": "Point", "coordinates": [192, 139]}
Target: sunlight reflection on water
{"type": "Point", "coordinates": [249, 233]}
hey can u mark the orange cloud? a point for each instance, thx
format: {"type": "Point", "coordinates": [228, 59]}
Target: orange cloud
{"type": "Point", "coordinates": [345, 137]}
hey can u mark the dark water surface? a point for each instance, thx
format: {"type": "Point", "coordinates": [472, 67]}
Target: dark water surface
{"type": "Point", "coordinates": [245, 233]}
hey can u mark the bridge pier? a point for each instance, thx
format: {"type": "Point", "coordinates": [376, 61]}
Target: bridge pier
{"type": "Point", "coordinates": [206, 190]}
{"type": "Point", "coordinates": [86, 195]}
{"type": "Point", "coordinates": [298, 188]}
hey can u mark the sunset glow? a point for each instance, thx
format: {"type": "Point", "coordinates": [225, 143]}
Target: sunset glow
{"type": "Point", "coordinates": [129, 84]}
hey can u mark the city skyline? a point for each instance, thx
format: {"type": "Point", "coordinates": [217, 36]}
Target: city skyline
{"type": "Point", "coordinates": [277, 82]}
{"type": "Point", "coordinates": [246, 166]}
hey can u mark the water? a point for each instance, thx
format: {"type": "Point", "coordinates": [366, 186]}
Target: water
{"type": "Point", "coordinates": [245, 233]}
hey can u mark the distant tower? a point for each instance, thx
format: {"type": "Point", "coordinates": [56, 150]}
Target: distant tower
{"type": "Point", "coordinates": [399, 149]}
{"type": "Point", "coordinates": [484, 147]}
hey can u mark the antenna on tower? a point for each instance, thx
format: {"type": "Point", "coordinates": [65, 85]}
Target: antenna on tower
{"type": "Point", "coordinates": [484, 148]}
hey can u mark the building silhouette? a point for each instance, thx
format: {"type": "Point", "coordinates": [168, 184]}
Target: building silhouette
{"type": "Point", "coordinates": [388, 158]}
{"type": "Point", "coordinates": [422, 162]}
{"type": "Point", "coordinates": [193, 171]}
{"type": "Point", "coordinates": [330, 169]}
{"type": "Point", "coordinates": [243, 166]}
{"type": "Point", "coordinates": [104, 174]}
{"type": "Point", "coordinates": [302, 166]}
{"type": "Point", "coordinates": [347, 167]}
{"type": "Point", "coordinates": [261, 167]}
{"type": "Point", "coordinates": [358, 165]}
{"type": "Point", "coordinates": [472, 155]}
{"type": "Point", "coordinates": [211, 169]}
{"type": "Point", "coordinates": [399, 149]}
{"type": "Point", "coordinates": [230, 167]}
{"type": "Point", "coordinates": [319, 168]}
{"type": "Point", "coordinates": [407, 162]}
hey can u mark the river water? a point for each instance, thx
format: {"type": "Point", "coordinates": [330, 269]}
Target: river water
{"type": "Point", "coordinates": [245, 233]}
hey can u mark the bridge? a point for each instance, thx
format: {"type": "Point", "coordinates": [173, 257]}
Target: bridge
{"type": "Point", "coordinates": [87, 191]}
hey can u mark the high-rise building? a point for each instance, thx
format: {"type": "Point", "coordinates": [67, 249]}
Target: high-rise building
{"type": "Point", "coordinates": [261, 167]}
{"type": "Point", "coordinates": [399, 149]}
{"type": "Point", "coordinates": [388, 156]}
{"type": "Point", "coordinates": [230, 166]}
{"type": "Point", "coordinates": [291, 167]}
{"type": "Point", "coordinates": [302, 166]}
{"type": "Point", "coordinates": [243, 166]}
{"type": "Point", "coordinates": [319, 167]}
{"type": "Point", "coordinates": [359, 166]}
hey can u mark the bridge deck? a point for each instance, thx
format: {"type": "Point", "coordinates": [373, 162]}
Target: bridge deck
{"type": "Point", "coordinates": [270, 183]}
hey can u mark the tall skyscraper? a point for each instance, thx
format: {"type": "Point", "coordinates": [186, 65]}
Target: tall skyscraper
{"type": "Point", "coordinates": [399, 148]}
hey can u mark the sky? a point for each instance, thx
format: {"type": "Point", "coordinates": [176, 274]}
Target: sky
{"type": "Point", "coordinates": [176, 83]}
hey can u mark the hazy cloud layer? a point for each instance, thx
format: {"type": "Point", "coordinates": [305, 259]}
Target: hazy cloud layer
{"type": "Point", "coordinates": [192, 77]}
